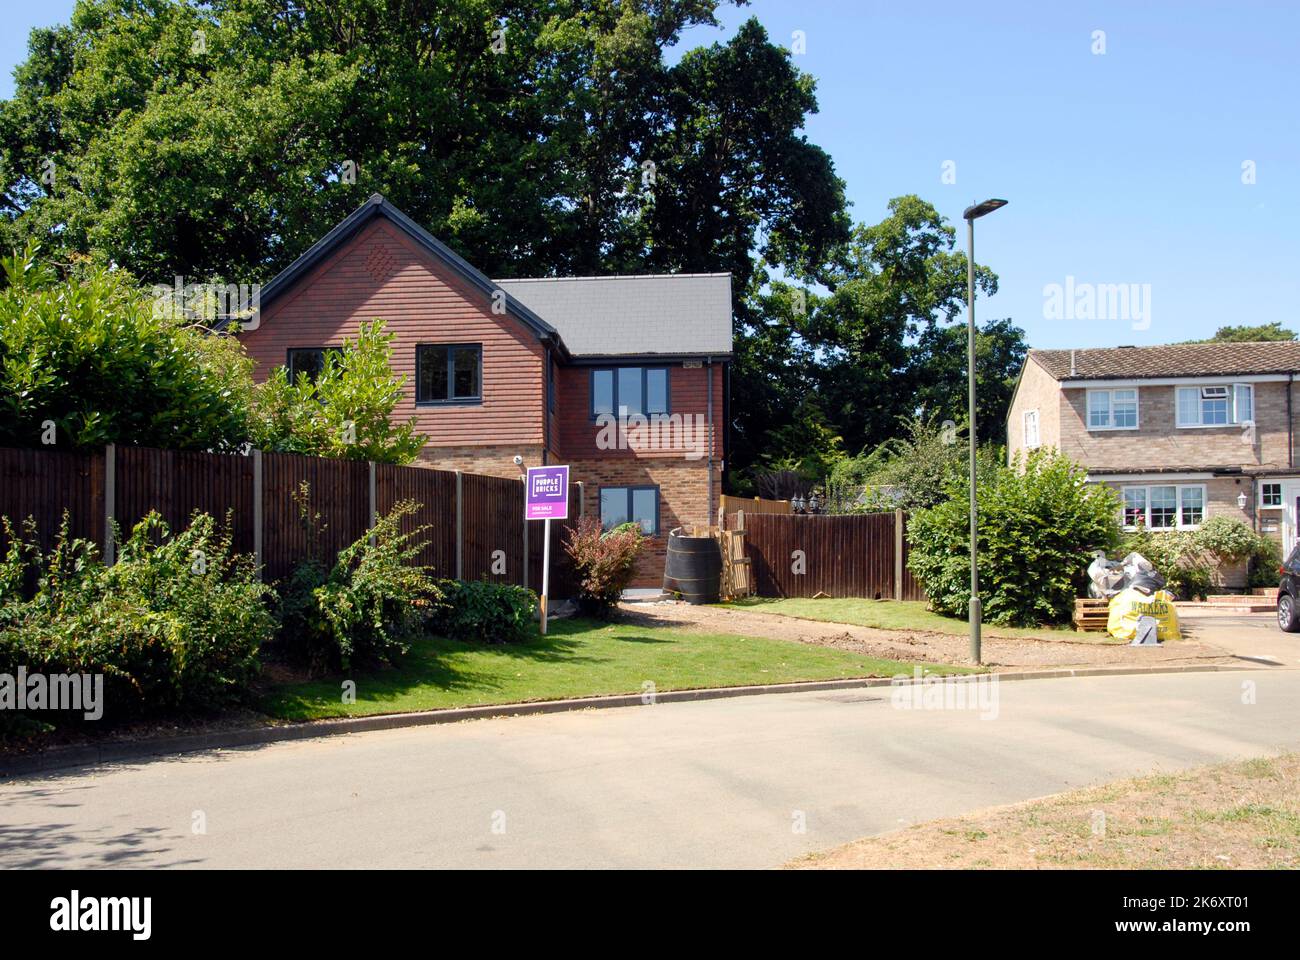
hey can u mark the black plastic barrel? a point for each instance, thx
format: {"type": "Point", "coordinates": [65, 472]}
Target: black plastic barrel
{"type": "Point", "coordinates": [693, 568]}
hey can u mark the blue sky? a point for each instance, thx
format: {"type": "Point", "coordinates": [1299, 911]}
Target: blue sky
{"type": "Point", "coordinates": [1121, 168]}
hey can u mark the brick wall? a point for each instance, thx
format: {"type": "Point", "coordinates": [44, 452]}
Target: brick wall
{"type": "Point", "coordinates": [492, 460]}
{"type": "Point", "coordinates": [1037, 390]}
{"type": "Point", "coordinates": [683, 499]}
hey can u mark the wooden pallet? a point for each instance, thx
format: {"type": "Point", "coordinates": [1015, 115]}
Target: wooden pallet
{"type": "Point", "coordinates": [1091, 614]}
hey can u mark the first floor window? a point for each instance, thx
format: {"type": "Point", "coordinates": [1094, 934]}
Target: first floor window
{"type": "Point", "coordinates": [449, 373]}
{"type": "Point", "coordinates": [1031, 429]}
{"type": "Point", "coordinates": [619, 505]}
{"type": "Point", "coordinates": [1113, 409]}
{"type": "Point", "coordinates": [1270, 495]}
{"type": "Point", "coordinates": [1164, 506]}
{"type": "Point", "coordinates": [1215, 406]}
{"type": "Point", "coordinates": [629, 391]}
{"type": "Point", "coordinates": [308, 362]}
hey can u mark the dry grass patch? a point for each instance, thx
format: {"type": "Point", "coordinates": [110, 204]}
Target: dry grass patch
{"type": "Point", "coordinates": [1228, 816]}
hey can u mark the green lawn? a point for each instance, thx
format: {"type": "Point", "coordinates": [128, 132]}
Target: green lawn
{"type": "Point", "coordinates": [578, 658]}
{"type": "Point", "coordinates": [897, 615]}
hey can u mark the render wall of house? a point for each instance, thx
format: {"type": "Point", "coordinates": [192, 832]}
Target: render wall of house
{"type": "Point", "coordinates": [1037, 390]}
{"type": "Point", "coordinates": [382, 274]}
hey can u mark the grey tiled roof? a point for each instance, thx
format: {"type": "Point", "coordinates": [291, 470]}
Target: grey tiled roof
{"type": "Point", "coordinates": [1174, 360]}
{"type": "Point", "coordinates": [686, 313]}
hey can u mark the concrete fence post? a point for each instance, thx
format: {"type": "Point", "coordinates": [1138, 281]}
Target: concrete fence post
{"type": "Point", "coordinates": [110, 501]}
{"type": "Point", "coordinates": [898, 554]}
{"type": "Point", "coordinates": [257, 513]}
{"type": "Point", "coordinates": [460, 527]}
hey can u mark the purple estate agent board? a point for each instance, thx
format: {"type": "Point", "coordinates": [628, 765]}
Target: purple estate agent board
{"type": "Point", "coordinates": [548, 493]}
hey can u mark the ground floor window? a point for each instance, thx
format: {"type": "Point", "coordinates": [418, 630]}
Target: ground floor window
{"type": "Point", "coordinates": [1165, 506]}
{"type": "Point", "coordinates": [620, 505]}
{"type": "Point", "coordinates": [1270, 494]}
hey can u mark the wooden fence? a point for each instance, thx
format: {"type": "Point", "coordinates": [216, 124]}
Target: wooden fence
{"type": "Point", "coordinates": [752, 505]}
{"type": "Point", "coordinates": [863, 555]}
{"type": "Point", "coordinates": [476, 523]}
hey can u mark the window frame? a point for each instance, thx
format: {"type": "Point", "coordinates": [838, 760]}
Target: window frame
{"type": "Point", "coordinates": [1178, 505]}
{"type": "Point", "coordinates": [629, 490]}
{"type": "Point", "coordinates": [450, 400]}
{"type": "Point", "coordinates": [1263, 495]}
{"type": "Point", "coordinates": [645, 382]}
{"type": "Point", "coordinates": [290, 351]}
{"type": "Point", "coordinates": [1233, 398]}
{"type": "Point", "coordinates": [1110, 408]}
{"type": "Point", "coordinates": [1024, 427]}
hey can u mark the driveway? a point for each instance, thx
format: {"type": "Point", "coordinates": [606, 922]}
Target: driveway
{"type": "Point", "coordinates": [1253, 636]}
{"type": "Point", "coordinates": [746, 782]}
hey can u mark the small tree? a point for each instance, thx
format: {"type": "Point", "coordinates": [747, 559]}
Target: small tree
{"type": "Point", "coordinates": [346, 412]}
{"type": "Point", "coordinates": [1039, 527]}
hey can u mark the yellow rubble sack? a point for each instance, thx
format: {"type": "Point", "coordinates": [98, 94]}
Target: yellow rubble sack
{"type": "Point", "coordinates": [1128, 605]}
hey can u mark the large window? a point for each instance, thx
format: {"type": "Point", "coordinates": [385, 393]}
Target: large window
{"type": "Point", "coordinates": [1164, 506]}
{"type": "Point", "coordinates": [1216, 405]}
{"type": "Point", "coordinates": [1113, 409]}
{"type": "Point", "coordinates": [620, 505]}
{"type": "Point", "coordinates": [629, 390]}
{"type": "Point", "coordinates": [307, 362]}
{"type": "Point", "coordinates": [449, 373]}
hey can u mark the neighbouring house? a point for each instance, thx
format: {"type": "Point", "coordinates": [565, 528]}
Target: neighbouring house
{"type": "Point", "coordinates": [1183, 432]}
{"type": "Point", "coordinates": [625, 378]}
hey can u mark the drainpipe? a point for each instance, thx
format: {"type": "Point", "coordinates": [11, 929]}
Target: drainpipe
{"type": "Point", "coordinates": [1290, 426]}
{"type": "Point", "coordinates": [708, 369]}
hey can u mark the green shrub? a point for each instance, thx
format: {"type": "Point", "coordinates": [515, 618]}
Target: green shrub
{"type": "Point", "coordinates": [1226, 539]}
{"type": "Point", "coordinates": [365, 609]}
{"type": "Point", "coordinates": [1264, 562]}
{"type": "Point", "coordinates": [174, 625]}
{"type": "Point", "coordinates": [479, 611]}
{"type": "Point", "coordinates": [93, 356]}
{"type": "Point", "coordinates": [1038, 530]}
{"type": "Point", "coordinates": [605, 562]}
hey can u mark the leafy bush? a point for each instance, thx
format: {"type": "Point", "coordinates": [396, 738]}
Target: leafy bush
{"type": "Point", "coordinates": [605, 562]}
{"type": "Point", "coordinates": [484, 612]}
{"type": "Point", "coordinates": [1038, 529]}
{"type": "Point", "coordinates": [174, 624]}
{"type": "Point", "coordinates": [368, 607]}
{"type": "Point", "coordinates": [1265, 560]}
{"type": "Point", "coordinates": [1226, 539]}
{"type": "Point", "coordinates": [92, 356]}
{"type": "Point", "coordinates": [346, 412]}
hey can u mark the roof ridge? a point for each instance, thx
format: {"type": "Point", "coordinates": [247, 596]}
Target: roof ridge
{"type": "Point", "coordinates": [611, 276]}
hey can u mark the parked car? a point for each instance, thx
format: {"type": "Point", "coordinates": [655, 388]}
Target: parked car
{"type": "Point", "coordinates": [1288, 593]}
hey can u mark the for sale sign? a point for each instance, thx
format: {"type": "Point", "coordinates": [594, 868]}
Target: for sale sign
{"type": "Point", "coordinates": [548, 493]}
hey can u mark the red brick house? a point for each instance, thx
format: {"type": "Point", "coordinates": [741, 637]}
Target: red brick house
{"type": "Point", "coordinates": [625, 378]}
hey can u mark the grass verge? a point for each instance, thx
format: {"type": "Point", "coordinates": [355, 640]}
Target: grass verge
{"type": "Point", "coordinates": [899, 615]}
{"type": "Point", "coordinates": [1233, 815]}
{"type": "Point", "coordinates": [578, 658]}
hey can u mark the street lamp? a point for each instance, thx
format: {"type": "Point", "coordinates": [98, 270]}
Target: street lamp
{"type": "Point", "coordinates": [970, 215]}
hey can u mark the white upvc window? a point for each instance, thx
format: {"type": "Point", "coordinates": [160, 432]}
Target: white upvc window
{"type": "Point", "coordinates": [1270, 495]}
{"type": "Point", "coordinates": [1214, 405]}
{"type": "Point", "coordinates": [1113, 409]}
{"type": "Point", "coordinates": [1164, 506]}
{"type": "Point", "coordinates": [1031, 429]}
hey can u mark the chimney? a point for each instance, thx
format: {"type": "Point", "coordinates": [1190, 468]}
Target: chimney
{"type": "Point", "coordinates": [1073, 369]}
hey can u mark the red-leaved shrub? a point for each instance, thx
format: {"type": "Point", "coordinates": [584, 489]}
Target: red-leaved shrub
{"type": "Point", "coordinates": [605, 562]}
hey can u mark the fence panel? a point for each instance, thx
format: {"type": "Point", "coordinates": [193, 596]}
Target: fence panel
{"type": "Point", "coordinates": [564, 579]}
{"type": "Point", "coordinates": [493, 517]}
{"type": "Point", "coordinates": [338, 490]}
{"type": "Point", "coordinates": [841, 556]}
{"type": "Point", "coordinates": [177, 483]}
{"type": "Point", "coordinates": [42, 484]}
{"type": "Point", "coordinates": [435, 491]}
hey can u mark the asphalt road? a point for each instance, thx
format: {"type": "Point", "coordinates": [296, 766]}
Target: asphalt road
{"type": "Point", "coordinates": [746, 782]}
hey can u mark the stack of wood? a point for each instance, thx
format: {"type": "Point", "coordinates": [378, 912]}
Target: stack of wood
{"type": "Point", "coordinates": [1091, 614]}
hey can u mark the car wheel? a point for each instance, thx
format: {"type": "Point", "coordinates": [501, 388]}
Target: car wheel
{"type": "Point", "coordinates": [1288, 616]}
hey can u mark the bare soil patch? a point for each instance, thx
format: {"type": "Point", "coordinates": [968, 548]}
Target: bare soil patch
{"type": "Point", "coordinates": [1243, 815]}
{"type": "Point", "coordinates": [1000, 653]}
